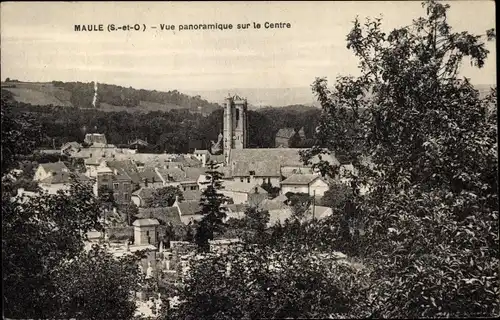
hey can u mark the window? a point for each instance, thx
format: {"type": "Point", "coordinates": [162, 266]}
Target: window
{"type": "Point", "coordinates": [237, 117]}
{"type": "Point", "coordinates": [147, 233]}
{"type": "Point", "coordinates": [194, 188]}
{"type": "Point", "coordinates": [115, 185]}
{"type": "Point", "coordinates": [127, 186]}
{"type": "Point", "coordinates": [241, 179]}
{"type": "Point", "coordinates": [126, 196]}
{"type": "Point", "coordinates": [256, 190]}
{"type": "Point", "coordinates": [115, 195]}
{"type": "Point", "coordinates": [248, 180]}
{"type": "Point", "coordinates": [252, 173]}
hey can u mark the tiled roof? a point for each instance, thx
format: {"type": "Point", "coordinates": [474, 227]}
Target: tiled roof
{"type": "Point", "coordinates": [283, 156]}
{"type": "Point", "coordinates": [145, 222]}
{"type": "Point", "coordinates": [201, 152]}
{"type": "Point", "coordinates": [237, 207]}
{"type": "Point", "coordinates": [243, 187]}
{"type": "Point", "coordinates": [174, 174]}
{"type": "Point", "coordinates": [63, 177]}
{"type": "Point", "coordinates": [165, 214]}
{"type": "Point", "coordinates": [144, 193]}
{"type": "Point", "coordinates": [193, 173]}
{"type": "Point", "coordinates": [300, 179]}
{"type": "Point", "coordinates": [127, 167]}
{"type": "Point", "coordinates": [54, 167]}
{"type": "Point", "coordinates": [187, 208]}
{"type": "Point", "coordinates": [280, 156]}
{"type": "Point", "coordinates": [285, 133]}
{"type": "Point", "coordinates": [149, 174]}
{"type": "Point", "coordinates": [320, 212]}
{"type": "Point", "coordinates": [73, 144]}
{"type": "Point", "coordinates": [262, 168]}
{"type": "Point", "coordinates": [217, 158]}
{"type": "Point", "coordinates": [279, 215]}
{"type": "Point", "coordinates": [192, 195]}
{"type": "Point", "coordinates": [274, 204]}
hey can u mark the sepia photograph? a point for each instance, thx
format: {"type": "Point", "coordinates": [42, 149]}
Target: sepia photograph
{"type": "Point", "coordinates": [249, 160]}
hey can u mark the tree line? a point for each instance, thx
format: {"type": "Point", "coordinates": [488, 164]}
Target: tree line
{"type": "Point", "coordinates": [170, 131]}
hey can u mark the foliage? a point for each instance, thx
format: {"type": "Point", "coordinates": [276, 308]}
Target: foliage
{"type": "Point", "coordinates": [129, 211]}
{"type": "Point", "coordinates": [20, 136]}
{"type": "Point", "coordinates": [170, 131]}
{"type": "Point", "coordinates": [38, 235]}
{"type": "Point", "coordinates": [259, 283]}
{"type": "Point", "coordinates": [272, 191]}
{"type": "Point", "coordinates": [41, 237]}
{"type": "Point", "coordinates": [212, 208]}
{"type": "Point", "coordinates": [86, 279]}
{"type": "Point", "coordinates": [336, 196]}
{"type": "Point", "coordinates": [164, 197]}
{"type": "Point", "coordinates": [431, 218]}
{"type": "Point", "coordinates": [299, 202]}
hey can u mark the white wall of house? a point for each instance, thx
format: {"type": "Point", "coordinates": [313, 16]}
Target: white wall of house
{"type": "Point", "coordinates": [40, 174]}
{"type": "Point", "coordinates": [318, 187]}
{"type": "Point", "coordinates": [238, 197]}
{"type": "Point", "coordinates": [53, 188]}
{"type": "Point", "coordinates": [252, 180]}
{"type": "Point", "coordinates": [136, 200]}
{"type": "Point", "coordinates": [295, 188]}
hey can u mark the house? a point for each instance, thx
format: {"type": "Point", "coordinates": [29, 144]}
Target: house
{"type": "Point", "coordinates": [171, 176]}
{"type": "Point", "coordinates": [46, 170]}
{"type": "Point", "coordinates": [141, 196]}
{"type": "Point", "coordinates": [60, 181]}
{"type": "Point", "coordinates": [186, 179]}
{"type": "Point", "coordinates": [269, 165]}
{"type": "Point", "coordinates": [71, 148]}
{"type": "Point", "coordinates": [318, 212]}
{"type": "Point", "coordinates": [137, 143]}
{"type": "Point", "coordinates": [235, 211]}
{"type": "Point", "coordinates": [117, 181]}
{"type": "Point", "coordinates": [192, 195]}
{"type": "Point", "coordinates": [126, 167]}
{"type": "Point", "coordinates": [150, 178]}
{"type": "Point", "coordinates": [203, 156]}
{"type": "Point", "coordinates": [189, 211]}
{"type": "Point", "coordinates": [311, 184]}
{"type": "Point", "coordinates": [285, 138]}
{"type": "Point", "coordinates": [164, 215]}
{"type": "Point", "coordinates": [92, 166]}
{"type": "Point", "coordinates": [91, 138]}
{"type": "Point", "coordinates": [242, 192]}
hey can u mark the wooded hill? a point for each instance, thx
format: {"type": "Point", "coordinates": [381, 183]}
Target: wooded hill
{"type": "Point", "coordinates": [109, 97]}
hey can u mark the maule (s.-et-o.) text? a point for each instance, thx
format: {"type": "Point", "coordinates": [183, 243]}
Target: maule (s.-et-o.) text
{"type": "Point", "coordinates": [181, 27]}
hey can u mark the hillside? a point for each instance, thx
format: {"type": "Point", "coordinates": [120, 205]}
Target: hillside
{"type": "Point", "coordinates": [109, 98]}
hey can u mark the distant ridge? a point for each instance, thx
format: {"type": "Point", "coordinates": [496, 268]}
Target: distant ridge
{"type": "Point", "coordinates": [109, 97]}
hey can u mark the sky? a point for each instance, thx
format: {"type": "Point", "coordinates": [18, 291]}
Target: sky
{"type": "Point", "coordinates": [38, 42]}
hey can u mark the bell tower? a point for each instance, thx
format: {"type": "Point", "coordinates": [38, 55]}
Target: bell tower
{"type": "Point", "coordinates": [235, 125]}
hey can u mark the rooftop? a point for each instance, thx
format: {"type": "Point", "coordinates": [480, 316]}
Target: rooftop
{"type": "Point", "coordinates": [145, 222]}
{"type": "Point", "coordinates": [301, 179]}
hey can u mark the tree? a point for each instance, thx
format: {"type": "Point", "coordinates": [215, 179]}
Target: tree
{"type": "Point", "coordinates": [43, 235]}
{"type": "Point", "coordinates": [164, 197]}
{"type": "Point", "coordinates": [272, 191]}
{"type": "Point", "coordinates": [431, 217]}
{"type": "Point", "coordinates": [38, 235]}
{"type": "Point", "coordinates": [264, 283]}
{"type": "Point", "coordinates": [211, 208]}
{"type": "Point", "coordinates": [84, 280]}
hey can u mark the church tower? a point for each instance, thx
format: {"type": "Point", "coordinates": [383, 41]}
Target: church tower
{"type": "Point", "coordinates": [235, 125]}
